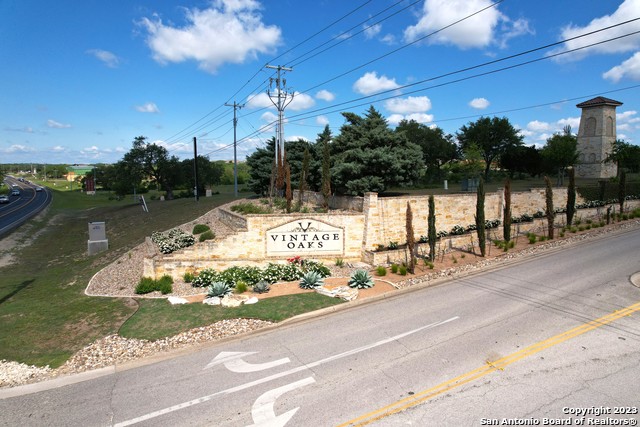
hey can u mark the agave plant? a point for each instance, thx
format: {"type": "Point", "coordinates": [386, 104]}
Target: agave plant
{"type": "Point", "coordinates": [310, 280]}
{"type": "Point", "coordinates": [262, 287]}
{"type": "Point", "coordinates": [361, 279]}
{"type": "Point", "coordinates": [218, 289]}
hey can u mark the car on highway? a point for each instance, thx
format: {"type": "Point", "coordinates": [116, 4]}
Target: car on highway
{"type": "Point", "coordinates": [4, 199]}
{"type": "Point", "coordinates": [38, 189]}
{"type": "Point", "coordinates": [15, 192]}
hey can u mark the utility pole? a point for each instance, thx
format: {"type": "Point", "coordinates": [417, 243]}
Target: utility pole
{"type": "Point", "coordinates": [235, 157]}
{"type": "Point", "coordinates": [195, 167]}
{"type": "Point", "coordinates": [280, 99]}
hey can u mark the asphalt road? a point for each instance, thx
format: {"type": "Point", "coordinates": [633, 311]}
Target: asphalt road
{"type": "Point", "coordinates": [552, 338]}
{"type": "Point", "coordinates": [20, 208]}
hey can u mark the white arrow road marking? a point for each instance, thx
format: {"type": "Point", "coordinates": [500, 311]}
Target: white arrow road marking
{"type": "Point", "coordinates": [262, 410]}
{"type": "Point", "coordinates": [232, 360]}
{"type": "Point", "coordinates": [276, 376]}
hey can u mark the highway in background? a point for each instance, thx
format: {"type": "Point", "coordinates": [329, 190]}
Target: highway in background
{"type": "Point", "coordinates": [22, 207]}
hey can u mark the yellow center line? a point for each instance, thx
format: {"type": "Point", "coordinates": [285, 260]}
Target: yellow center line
{"type": "Point", "coordinates": [490, 367]}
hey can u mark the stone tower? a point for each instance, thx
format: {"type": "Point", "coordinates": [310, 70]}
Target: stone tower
{"type": "Point", "coordinates": [596, 136]}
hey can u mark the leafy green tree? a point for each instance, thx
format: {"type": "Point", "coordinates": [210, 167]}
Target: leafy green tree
{"type": "Point", "coordinates": [372, 157]}
{"type": "Point", "coordinates": [627, 156]}
{"type": "Point", "coordinates": [438, 149]}
{"type": "Point", "coordinates": [522, 159]}
{"type": "Point", "coordinates": [492, 136]}
{"type": "Point", "coordinates": [260, 164]}
{"type": "Point", "coordinates": [154, 163]}
{"type": "Point", "coordinates": [209, 174]}
{"type": "Point", "coordinates": [560, 152]}
{"type": "Point", "coordinates": [480, 221]}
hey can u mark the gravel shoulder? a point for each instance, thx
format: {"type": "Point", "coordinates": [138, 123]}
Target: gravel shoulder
{"type": "Point", "coordinates": [114, 350]}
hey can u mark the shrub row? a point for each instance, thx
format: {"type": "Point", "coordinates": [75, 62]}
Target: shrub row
{"type": "Point", "coordinates": [147, 285]}
{"type": "Point", "coordinates": [252, 275]}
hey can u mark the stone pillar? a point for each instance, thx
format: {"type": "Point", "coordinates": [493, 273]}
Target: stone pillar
{"type": "Point", "coordinates": [596, 136]}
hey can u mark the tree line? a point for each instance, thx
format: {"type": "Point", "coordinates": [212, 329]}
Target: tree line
{"type": "Point", "coordinates": [367, 155]}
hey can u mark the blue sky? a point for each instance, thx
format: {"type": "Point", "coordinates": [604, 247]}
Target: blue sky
{"type": "Point", "coordinates": [81, 79]}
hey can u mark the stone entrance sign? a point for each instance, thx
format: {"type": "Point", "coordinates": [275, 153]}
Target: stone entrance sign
{"type": "Point", "coordinates": [305, 236]}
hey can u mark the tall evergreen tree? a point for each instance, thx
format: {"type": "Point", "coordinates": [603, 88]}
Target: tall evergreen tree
{"type": "Point", "coordinates": [506, 213]}
{"type": "Point", "coordinates": [549, 212]}
{"type": "Point", "coordinates": [431, 228]}
{"type": "Point", "coordinates": [571, 196]}
{"type": "Point", "coordinates": [372, 157]}
{"type": "Point", "coordinates": [480, 221]}
{"type": "Point", "coordinates": [326, 166]}
{"type": "Point", "coordinates": [411, 241]}
{"type": "Point", "coordinates": [304, 173]}
{"type": "Point", "coordinates": [288, 194]}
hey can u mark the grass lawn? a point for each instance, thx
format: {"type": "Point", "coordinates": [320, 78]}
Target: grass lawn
{"type": "Point", "coordinates": [45, 316]}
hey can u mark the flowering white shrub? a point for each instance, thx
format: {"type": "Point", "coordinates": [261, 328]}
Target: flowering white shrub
{"type": "Point", "coordinates": [172, 240]}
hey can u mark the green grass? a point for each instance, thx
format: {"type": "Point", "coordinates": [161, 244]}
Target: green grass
{"type": "Point", "coordinates": [156, 319]}
{"type": "Point", "coordinates": [44, 315]}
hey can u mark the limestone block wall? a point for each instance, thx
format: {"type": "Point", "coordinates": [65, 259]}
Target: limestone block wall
{"type": "Point", "coordinates": [250, 247]}
{"type": "Point", "coordinates": [386, 216]}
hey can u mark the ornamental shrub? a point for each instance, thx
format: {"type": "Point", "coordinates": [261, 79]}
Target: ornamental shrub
{"type": "Point", "coordinates": [200, 228]}
{"type": "Point", "coordinates": [207, 235]}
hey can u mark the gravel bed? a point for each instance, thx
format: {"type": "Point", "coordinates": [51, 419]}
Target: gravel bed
{"type": "Point", "coordinates": [114, 349]}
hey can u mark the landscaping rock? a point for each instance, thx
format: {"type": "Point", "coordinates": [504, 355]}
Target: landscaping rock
{"type": "Point", "coordinates": [177, 300]}
{"type": "Point", "coordinates": [212, 301]}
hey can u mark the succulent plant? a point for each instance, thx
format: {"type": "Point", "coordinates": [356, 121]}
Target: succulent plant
{"type": "Point", "coordinates": [218, 289]}
{"type": "Point", "coordinates": [310, 280]}
{"type": "Point", "coordinates": [361, 279]}
{"type": "Point", "coordinates": [262, 287]}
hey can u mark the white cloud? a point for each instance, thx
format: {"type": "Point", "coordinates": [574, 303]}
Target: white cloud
{"type": "Point", "coordinates": [628, 8]}
{"type": "Point", "coordinates": [108, 58]}
{"type": "Point", "coordinates": [258, 100]}
{"type": "Point", "coordinates": [372, 31]}
{"type": "Point", "coordinates": [230, 31]}
{"type": "Point", "coordinates": [301, 101]}
{"type": "Point", "coordinates": [370, 83]}
{"type": "Point", "coordinates": [149, 107]}
{"type": "Point", "coordinates": [479, 103]}
{"type": "Point", "coordinates": [322, 120]}
{"type": "Point", "coordinates": [513, 29]}
{"type": "Point", "coordinates": [574, 122]}
{"type": "Point", "coordinates": [57, 125]}
{"type": "Point", "coordinates": [395, 119]}
{"type": "Point", "coordinates": [58, 149]}
{"type": "Point", "coordinates": [420, 117]}
{"type": "Point", "coordinates": [423, 118]}
{"type": "Point", "coordinates": [627, 116]}
{"type": "Point", "coordinates": [389, 39]}
{"type": "Point", "coordinates": [325, 95]}
{"type": "Point", "coordinates": [17, 148]}
{"type": "Point", "coordinates": [477, 31]}
{"type": "Point", "coordinates": [538, 126]}
{"type": "Point", "coordinates": [25, 129]}
{"type": "Point", "coordinates": [268, 117]}
{"type": "Point", "coordinates": [408, 105]}
{"type": "Point", "coordinates": [629, 68]}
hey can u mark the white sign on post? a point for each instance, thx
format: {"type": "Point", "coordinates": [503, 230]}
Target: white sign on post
{"type": "Point", "coordinates": [305, 236]}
